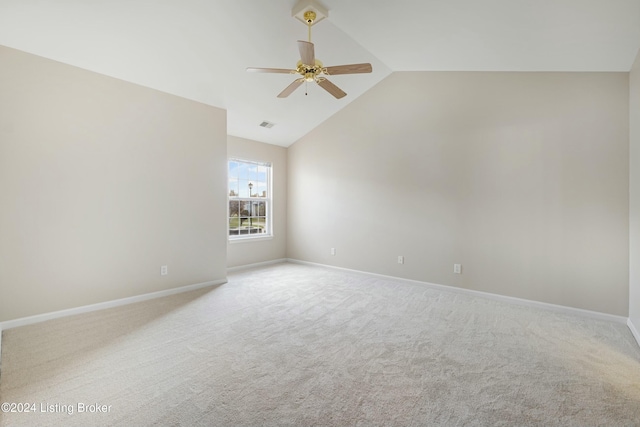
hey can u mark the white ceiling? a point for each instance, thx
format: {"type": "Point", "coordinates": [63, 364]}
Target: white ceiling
{"type": "Point", "coordinates": [199, 49]}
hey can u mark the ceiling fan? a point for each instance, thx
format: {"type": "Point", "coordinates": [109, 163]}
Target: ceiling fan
{"type": "Point", "coordinates": [311, 68]}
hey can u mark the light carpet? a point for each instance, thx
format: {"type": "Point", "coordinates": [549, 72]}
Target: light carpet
{"type": "Point", "coordinates": [293, 345]}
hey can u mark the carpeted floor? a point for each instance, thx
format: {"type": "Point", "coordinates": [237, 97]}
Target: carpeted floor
{"type": "Point", "coordinates": [292, 345]}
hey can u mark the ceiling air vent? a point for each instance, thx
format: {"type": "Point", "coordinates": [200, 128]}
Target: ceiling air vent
{"type": "Point", "coordinates": [267, 125]}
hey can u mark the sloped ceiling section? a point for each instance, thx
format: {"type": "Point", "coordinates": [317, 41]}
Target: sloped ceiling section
{"type": "Point", "coordinates": [495, 35]}
{"type": "Point", "coordinates": [199, 49]}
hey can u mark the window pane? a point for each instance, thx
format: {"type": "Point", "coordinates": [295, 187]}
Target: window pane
{"type": "Point", "coordinates": [262, 174]}
{"type": "Point", "coordinates": [261, 223]}
{"type": "Point", "coordinates": [243, 171]}
{"type": "Point", "coordinates": [233, 169]}
{"type": "Point", "coordinates": [233, 187]}
{"type": "Point", "coordinates": [243, 188]}
{"type": "Point", "coordinates": [234, 208]}
{"type": "Point", "coordinates": [233, 226]}
{"type": "Point", "coordinates": [253, 172]}
{"type": "Point", "coordinates": [260, 189]}
{"type": "Point", "coordinates": [245, 208]}
{"type": "Point", "coordinates": [243, 222]}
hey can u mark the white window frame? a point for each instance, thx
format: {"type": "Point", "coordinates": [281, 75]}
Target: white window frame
{"type": "Point", "coordinates": [267, 200]}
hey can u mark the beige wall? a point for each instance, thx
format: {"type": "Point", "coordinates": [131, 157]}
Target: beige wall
{"type": "Point", "coordinates": [101, 183]}
{"type": "Point", "coordinates": [256, 251]}
{"type": "Point", "coordinates": [634, 192]}
{"type": "Point", "coordinates": [520, 177]}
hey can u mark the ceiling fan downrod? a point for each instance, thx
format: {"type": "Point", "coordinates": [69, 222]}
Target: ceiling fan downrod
{"type": "Point", "coordinates": [309, 17]}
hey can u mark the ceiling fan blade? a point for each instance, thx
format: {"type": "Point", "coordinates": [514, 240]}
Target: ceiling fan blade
{"type": "Point", "coordinates": [331, 88]}
{"type": "Point", "coordinates": [270, 70]}
{"type": "Point", "coordinates": [289, 89]}
{"type": "Point", "coordinates": [307, 52]}
{"type": "Point", "coordinates": [349, 69]}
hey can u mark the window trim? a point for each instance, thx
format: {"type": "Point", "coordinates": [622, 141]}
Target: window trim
{"type": "Point", "coordinates": [243, 238]}
{"type": "Point", "coordinates": [249, 238]}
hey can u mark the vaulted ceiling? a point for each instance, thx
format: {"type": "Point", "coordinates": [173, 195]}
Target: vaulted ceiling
{"type": "Point", "coordinates": [199, 49]}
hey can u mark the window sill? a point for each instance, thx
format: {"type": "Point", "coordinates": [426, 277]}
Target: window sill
{"type": "Point", "coordinates": [249, 239]}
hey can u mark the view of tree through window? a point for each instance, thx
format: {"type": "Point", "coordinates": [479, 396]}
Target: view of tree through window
{"type": "Point", "coordinates": [249, 198]}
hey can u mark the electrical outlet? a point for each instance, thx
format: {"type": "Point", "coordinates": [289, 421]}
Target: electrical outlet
{"type": "Point", "coordinates": [164, 270]}
{"type": "Point", "coordinates": [457, 268]}
{"type": "Point", "coordinates": [333, 251]}
{"type": "Point", "coordinates": [400, 259]}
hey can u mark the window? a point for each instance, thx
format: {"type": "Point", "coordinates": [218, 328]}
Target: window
{"type": "Point", "coordinates": [249, 199]}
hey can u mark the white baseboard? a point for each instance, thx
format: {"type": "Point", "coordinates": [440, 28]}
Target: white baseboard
{"type": "Point", "coordinates": [103, 305]}
{"type": "Point", "coordinates": [497, 297]}
{"type": "Point", "coordinates": [257, 264]}
{"type": "Point", "coordinates": [99, 306]}
{"type": "Point", "coordinates": [124, 301]}
{"type": "Point", "coordinates": [634, 330]}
